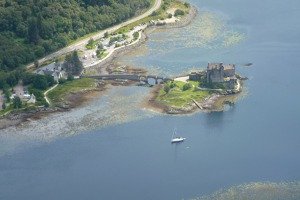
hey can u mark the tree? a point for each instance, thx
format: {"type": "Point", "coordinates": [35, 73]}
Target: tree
{"type": "Point", "coordinates": [90, 43]}
{"type": "Point", "coordinates": [77, 63]}
{"type": "Point", "coordinates": [106, 34]}
{"type": "Point", "coordinates": [3, 106]}
{"type": "Point", "coordinates": [11, 80]}
{"type": "Point", "coordinates": [30, 29]}
{"type": "Point", "coordinates": [136, 35]}
{"type": "Point", "coordinates": [50, 80]}
{"type": "Point", "coordinates": [167, 88]}
{"type": "Point", "coordinates": [17, 103]}
{"type": "Point", "coordinates": [40, 82]}
{"type": "Point", "coordinates": [33, 33]}
{"type": "Point", "coordinates": [72, 64]}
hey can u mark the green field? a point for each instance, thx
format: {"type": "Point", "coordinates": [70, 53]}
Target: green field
{"type": "Point", "coordinates": [58, 95]}
{"type": "Point", "coordinates": [178, 98]}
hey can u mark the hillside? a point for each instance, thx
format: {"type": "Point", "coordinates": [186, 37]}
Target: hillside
{"type": "Point", "coordinates": [30, 29]}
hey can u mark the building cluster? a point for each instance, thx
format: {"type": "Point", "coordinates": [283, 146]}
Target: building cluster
{"type": "Point", "coordinates": [29, 98]}
{"type": "Point", "coordinates": [217, 73]}
{"type": "Point", "coordinates": [54, 69]}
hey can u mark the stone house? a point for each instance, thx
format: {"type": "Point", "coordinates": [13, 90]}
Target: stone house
{"type": "Point", "coordinates": [54, 69]}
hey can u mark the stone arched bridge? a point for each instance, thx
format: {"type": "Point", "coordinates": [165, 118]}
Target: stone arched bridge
{"type": "Point", "coordinates": [132, 77]}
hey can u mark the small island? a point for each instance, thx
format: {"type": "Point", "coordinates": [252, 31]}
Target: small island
{"type": "Point", "coordinates": [198, 90]}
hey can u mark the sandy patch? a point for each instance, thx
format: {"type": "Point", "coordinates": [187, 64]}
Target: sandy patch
{"type": "Point", "coordinates": [182, 79]}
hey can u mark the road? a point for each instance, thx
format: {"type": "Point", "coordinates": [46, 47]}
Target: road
{"type": "Point", "coordinates": [81, 44]}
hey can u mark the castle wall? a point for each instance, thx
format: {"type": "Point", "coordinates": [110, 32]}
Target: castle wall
{"type": "Point", "coordinates": [215, 76]}
{"type": "Point", "coordinates": [229, 72]}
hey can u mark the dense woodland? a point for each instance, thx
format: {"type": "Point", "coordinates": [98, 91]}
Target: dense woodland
{"type": "Point", "coordinates": [30, 29]}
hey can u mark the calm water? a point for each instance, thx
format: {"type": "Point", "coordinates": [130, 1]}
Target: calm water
{"type": "Point", "coordinates": [257, 140]}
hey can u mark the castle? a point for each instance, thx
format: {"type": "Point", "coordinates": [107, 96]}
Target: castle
{"type": "Point", "coordinates": [218, 73]}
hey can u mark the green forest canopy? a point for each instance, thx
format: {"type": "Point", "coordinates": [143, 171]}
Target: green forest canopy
{"type": "Point", "coordinates": [30, 29]}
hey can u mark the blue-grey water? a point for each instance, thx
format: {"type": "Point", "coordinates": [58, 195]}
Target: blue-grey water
{"type": "Point", "coordinates": [130, 155]}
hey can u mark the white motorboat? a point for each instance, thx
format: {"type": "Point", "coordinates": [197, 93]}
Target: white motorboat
{"type": "Point", "coordinates": [176, 139]}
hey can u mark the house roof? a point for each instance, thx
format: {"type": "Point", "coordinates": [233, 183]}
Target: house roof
{"type": "Point", "coordinates": [48, 72]}
{"type": "Point", "coordinates": [52, 66]}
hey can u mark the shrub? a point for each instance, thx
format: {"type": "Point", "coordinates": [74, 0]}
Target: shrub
{"type": "Point", "coordinates": [186, 4]}
{"type": "Point", "coordinates": [170, 15]}
{"type": "Point", "coordinates": [167, 88]}
{"type": "Point", "coordinates": [172, 85]}
{"type": "Point", "coordinates": [17, 103]}
{"type": "Point", "coordinates": [154, 13]}
{"type": "Point", "coordinates": [62, 80]}
{"type": "Point", "coordinates": [187, 86]}
{"type": "Point", "coordinates": [136, 35]}
{"type": "Point", "coordinates": [178, 12]}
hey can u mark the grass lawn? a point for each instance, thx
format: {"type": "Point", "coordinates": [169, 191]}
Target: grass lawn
{"type": "Point", "coordinates": [59, 94]}
{"type": "Point", "coordinates": [178, 98]}
{"type": "Point", "coordinates": [103, 55]}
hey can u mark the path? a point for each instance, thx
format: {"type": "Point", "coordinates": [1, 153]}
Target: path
{"type": "Point", "coordinates": [45, 93]}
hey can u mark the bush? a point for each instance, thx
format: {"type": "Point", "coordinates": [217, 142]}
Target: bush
{"type": "Point", "coordinates": [70, 77]}
{"type": "Point", "coordinates": [17, 103]}
{"type": "Point", "coordinates": [155, 13]}
{"type": "Point", "coordinates": [136, 35]}
{"type": "Point", "coordinates": [170, 15]}
{"type": "Point", "coordinates": [186, 86]}
{"type": "Point", "coordinates": [172, 85]}
{"type": "Point", "coordinates": [187, 5]}
{"type": "Point", "coordinates": [62, 80]}
{"type": "Point", "coordinates": [167, 88]}
{"type": "Point", "coordinates": [106, 35]}
{"type": "Point", "coordinates": [178, 12]}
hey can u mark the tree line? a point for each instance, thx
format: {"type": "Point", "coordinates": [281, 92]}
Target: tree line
{"type": "Point", "coordinates": [30, 29]}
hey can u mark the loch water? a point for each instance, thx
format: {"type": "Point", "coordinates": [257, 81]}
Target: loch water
{"type": "Point", "coordinates": [254, 141]}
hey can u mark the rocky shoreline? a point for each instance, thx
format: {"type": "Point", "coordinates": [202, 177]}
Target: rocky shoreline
{"type": "Point", "coordinates": [212, 103]}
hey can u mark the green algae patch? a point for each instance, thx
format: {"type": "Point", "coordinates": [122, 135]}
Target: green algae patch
{"type": "Point", "coordinates": [258, 191]}
{"type": "Point", "coordinates": [179, 94]}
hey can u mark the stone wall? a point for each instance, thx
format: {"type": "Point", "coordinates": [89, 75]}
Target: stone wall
{"type": "Point", "coordinates": [215, 75]}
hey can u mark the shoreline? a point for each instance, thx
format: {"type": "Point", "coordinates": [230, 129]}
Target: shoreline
{"type": "Point", "coordinates": [16, 118]}
{"type": "Point", "coordinates": [213, 103]}
{"type": "Point", "coordinates": [143, 38]}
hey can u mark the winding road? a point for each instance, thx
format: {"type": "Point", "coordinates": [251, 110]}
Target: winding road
{"type": "Point", "coordinates": [81, 44]}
